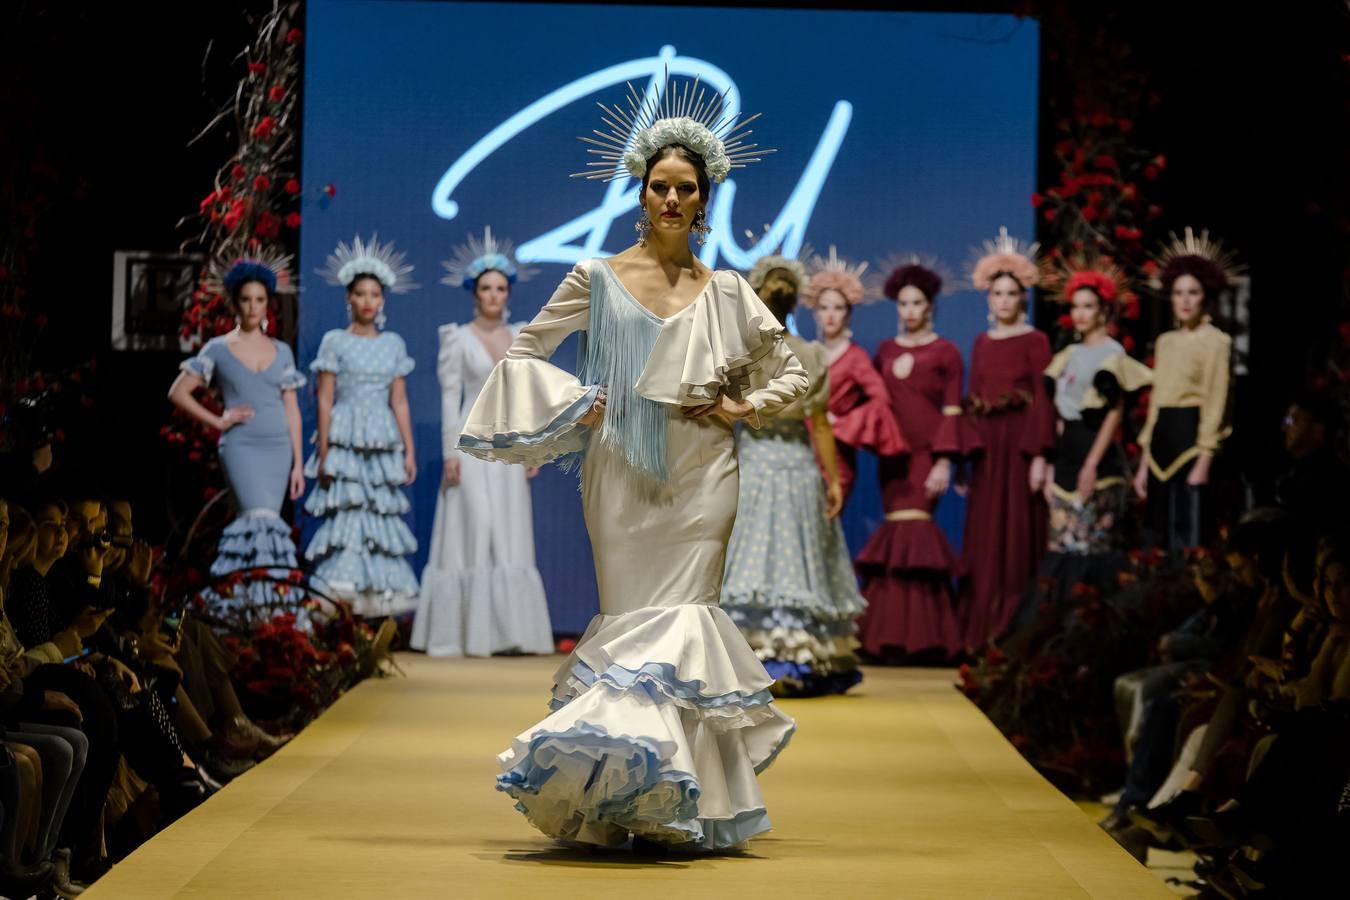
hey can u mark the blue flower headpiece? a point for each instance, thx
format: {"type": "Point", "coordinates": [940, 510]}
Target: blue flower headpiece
{"type": "Point", "coordinates": [474, 257]}
{"type": "Point", "coordinates": [228, 271]}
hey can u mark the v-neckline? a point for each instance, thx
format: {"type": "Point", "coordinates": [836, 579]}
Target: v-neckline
{"type": "Point", "coordinates": [276, 354]}
{"type": "Point", "coordinates": [487, 351]}
{"type": "Point", "coordinates": [640, 305]}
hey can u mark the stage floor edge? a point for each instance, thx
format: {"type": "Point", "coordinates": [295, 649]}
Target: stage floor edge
{"type": "Point", "coordinates": [902, 788]}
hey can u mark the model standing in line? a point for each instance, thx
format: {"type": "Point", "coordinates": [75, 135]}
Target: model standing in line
{"type": "Point", "coordinates": [481, 591]}
{"type": "Point", "coordinates": [363, 453]}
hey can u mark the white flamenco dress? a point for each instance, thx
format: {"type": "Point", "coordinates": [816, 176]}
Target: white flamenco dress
{"type": "Point", "coordinates": [481, 591]}
{"type": "Point", "coordinates": [662, 715]}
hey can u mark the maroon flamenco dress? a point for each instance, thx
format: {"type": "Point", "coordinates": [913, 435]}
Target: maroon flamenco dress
{"type": "Point", "coordinates": [907, 565]}
{"type": "Point", "coordinates": [1006, 524]}
{"type": "Point", "coordinates": [861, 407]}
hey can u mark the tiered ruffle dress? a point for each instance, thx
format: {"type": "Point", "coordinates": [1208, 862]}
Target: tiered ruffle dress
{"type": "Point", "coordinates": [359, 551]}
{"type": "Point", "coordinates": [256, 457]}
{"type": "Point", "coordinates": [790, 585]}
{"type": "Point", "coordinates": [481, 590]}
{"type": "Point", "coordinates": [907, 565]}
{"type": "Point", "coordinates": [662, 715]}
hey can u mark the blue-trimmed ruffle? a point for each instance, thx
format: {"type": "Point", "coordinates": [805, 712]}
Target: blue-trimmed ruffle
{"type": "Point", "coordinates": [659, 681]}
{"type": "Point", "coordinates": [661, 722]}
{"type": "Point", "coordinates": [561, 437]}
{"type": "Point", "coordinates": [254, 540]}
{"type": "Point", "coordinates": [201, 365]}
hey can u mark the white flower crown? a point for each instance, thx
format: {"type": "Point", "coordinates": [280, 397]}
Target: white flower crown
{"type": "Point", "coordinates": [686, 115]}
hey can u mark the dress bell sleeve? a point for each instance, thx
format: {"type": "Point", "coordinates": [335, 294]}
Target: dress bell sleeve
{"type": "Point", "coordinates": [529, 409]}
{"type": "Point", "coordinates": [1038, 435]}
{"type": "Point", "coordinates": [450, 373]}
{"type": "Point", "coordinates": [955, 435]}
{"type": "Point", "coordinates": [870, 424]}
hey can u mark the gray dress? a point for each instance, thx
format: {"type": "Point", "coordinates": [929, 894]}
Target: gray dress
{"type": "Point", "coordinates": [789, 581]}
{"type": "Point", "coordinates": [256, 457]}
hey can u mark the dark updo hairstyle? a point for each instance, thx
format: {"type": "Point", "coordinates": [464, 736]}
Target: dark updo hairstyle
{"type": "Point", "coordinates": [237, 290]}
{"type": "Point", "coordinates": [1211, 277]}
{"type": "Point", "coordinates": [351, 285]}
{"type": "Point", "coordinates": [681, 152]}
{"type": "Point", "coordinates": [926, 280]}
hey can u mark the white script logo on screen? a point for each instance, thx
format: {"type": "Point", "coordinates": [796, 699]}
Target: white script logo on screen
{"type": "Point", "coordinates": [560, 245]}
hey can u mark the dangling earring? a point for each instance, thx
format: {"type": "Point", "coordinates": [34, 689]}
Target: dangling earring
{"type": "Point", "coordinates": [238, 323]}
{"type": "Point", "coordinates": [701, 226]}
{"type": "Point", "coordinates": [351, 314]}
{"type": "Point", "coordinates": [263, 325]}
{"type": "Point", "coordinates": [644, 224]}
{"type": "Point", "coordinates": [989, 317]}
{"type": "Point", "coordinates": [380, 319]}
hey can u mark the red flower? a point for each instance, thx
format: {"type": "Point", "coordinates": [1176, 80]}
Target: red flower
{"type": "Point", "coordinates": [1125, 126]}
{"type": "Point", "coordinates": [257, 68]}
{"type": "Point", "coordinates": [268, 226]}
{"type": "Point", "coordinates": [1105, 162]}
{"type": "Point", "coordinates": [1160, 161]}
{"type": "Point", "coordinates": [1036, 201]}
{"type": "Point", "coordinates": [265, 127]}
{"type": "Point", "coordinates": [207, 202]}
{"type": "Point", "coordinates": [1131, 308]}
{"type": "Point", "coordinates": [1150, 267]}
{"type": "Point", "coordinates": [238, 172]}
{"type": "Point", "coordinates": [293, 36]}
{"type": "Point", "coordinates": [1151, 172]}
{"type": "Point", "coordinates": [291, 186]}
{"type": "Point", "coordinates": [261, 183]}
{"type": "Point", "coordinates": [277, 93]}
{"type": "Point", "coordinates": [235, 214]}
{"type": "Point", "coordinates": [346, 653]}
{"type": "Point", "coordinates": [1091, 214]}
{"type": "Point", "coordinates": [293, 220]}
{"type": "Point", "coordinates": [1065, 321]}
{"type": "Point", "coordinates": [330, 190]}
{"type": "Point", "coordinates": [1065, 147]}
{"type": "Point", "coordinates": [1154, 211]}
{"type": "Point", "coordinates": [1129, 190]}
{"type": "Point", "coordinates": [1128, 343]}
{"type": "Point", "coordinates": [1050, 214]}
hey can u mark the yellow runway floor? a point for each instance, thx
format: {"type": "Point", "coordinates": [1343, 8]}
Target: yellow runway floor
{"type": "Point", "coordinates": [902, 789]}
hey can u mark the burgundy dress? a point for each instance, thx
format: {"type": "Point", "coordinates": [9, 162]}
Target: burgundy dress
{"type": "Point", "coordinates": [862, 413]}
{"type": "Point", "coordinates": [1005, 522]}
{"type": "Point", "coordinates": [907, 564]}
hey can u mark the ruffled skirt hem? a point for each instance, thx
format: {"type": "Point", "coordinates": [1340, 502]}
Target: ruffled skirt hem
{"type": "Point", "coordinates": [662, 720]}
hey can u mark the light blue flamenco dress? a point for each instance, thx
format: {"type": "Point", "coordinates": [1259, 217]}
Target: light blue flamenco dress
{"type": "Point", "coordinates": [256, 457]}
{"type": "Point", "coordinates": [359, 551]}
{"type": "Point", "coordinates": [789, 583]}
{"type": "Point", "coordinates": [662, 717]}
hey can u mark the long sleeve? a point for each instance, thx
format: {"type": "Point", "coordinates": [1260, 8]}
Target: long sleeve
{"type": "Point", "coordinates": [529, 410]}
{"type": "Point", "coordinates": [1214, 401]}
{"type": "Point", "coordinates": [1039, 437]}
{"type": "Point", "coordinates": [870, 422]}
{"type": "Point", "coordinates": [784, 382]}
{"type": "Point", "coordinates": [450, 373]}
{"type": "Point", "coordinates": [955, 435]}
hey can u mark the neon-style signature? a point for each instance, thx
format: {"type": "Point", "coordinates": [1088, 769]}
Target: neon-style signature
{"type": "Point", "coordinates": [582, 237]}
